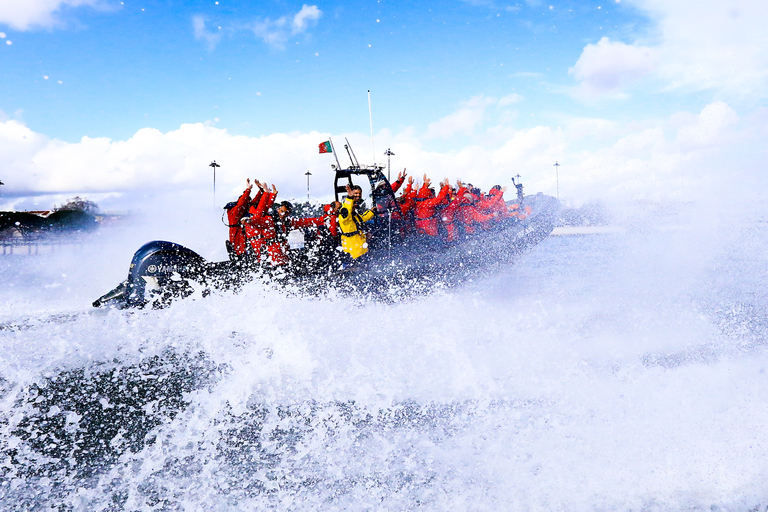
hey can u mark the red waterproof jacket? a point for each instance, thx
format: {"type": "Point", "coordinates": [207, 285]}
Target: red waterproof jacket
{"type": "Point", "coordinates": [257, 226]}
{"type": "Point", "coordinates": [426, 209]}
{"type": "Point", "coordinates": [449, 216]}
{"type": "Point", "coordinates": [331, 220]}
{"type": "Point", "coordinates": [236, 230]}
{"type": "Point", "coordinates": [469, 214]}
{"type": "Point", "coordinates": [397, 184]}
{"type": "Point", "coordinates": [494, 203]}
{"type": "Point", "coordinates": [270, 233]}
{"type": "Point", "coordinates": [407, 207]}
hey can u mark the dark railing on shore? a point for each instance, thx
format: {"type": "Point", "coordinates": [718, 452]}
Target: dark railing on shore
{"type": "Point", "coordinates": [36, 232]}
{"type": "Point", "coordinates": [32, 244]}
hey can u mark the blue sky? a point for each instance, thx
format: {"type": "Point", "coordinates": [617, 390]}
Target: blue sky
{"type": "Point", "coordinates": [124, 67]}
{"type": "Point", "coordinates": [459, 85]}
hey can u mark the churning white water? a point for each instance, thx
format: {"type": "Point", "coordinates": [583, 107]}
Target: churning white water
{"type": "Point", "coordinates": [603, 372]}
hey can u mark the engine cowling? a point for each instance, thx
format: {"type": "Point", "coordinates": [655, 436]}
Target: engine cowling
{"type": "Point", "coordinates": [160, 271]}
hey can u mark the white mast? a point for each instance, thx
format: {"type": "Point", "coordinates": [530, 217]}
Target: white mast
{"type": "Point", "coordinates": [370, 117]}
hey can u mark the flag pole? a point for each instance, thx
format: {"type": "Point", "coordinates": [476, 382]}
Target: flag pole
{"type": "Point", "coordinates": [333, 150]}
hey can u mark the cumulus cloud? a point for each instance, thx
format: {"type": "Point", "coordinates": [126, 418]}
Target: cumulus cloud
{"type": "Point", "coordinates": [276, 32]}
{"type": "Point", "coordinates": [607, 68]}
{"type": "Point", "coordinates": [470, 116]}
{"type": "Point", "coordinates": [510, 99]}
{"type": "Point", "coordinates": [304, 18]}
{"type": "Point", "coordinates": [695, 45]}
{"type": "Point", "coordinates": [710, 128]}
{"type": "Point", "coordinates": [463, 121]}
{"type": "Point", "coordinates": [708, 154]}
{"type": "Point", "coordinates": [686, 156]}
{"type": "Point", "coordinates": [201, 33]}
{"type": "Point", "coordinates": [152, 160]}
{"type": "Point", "coordinates": [26, 14]}
{"type": "Point", "coordinates": [710, 44]}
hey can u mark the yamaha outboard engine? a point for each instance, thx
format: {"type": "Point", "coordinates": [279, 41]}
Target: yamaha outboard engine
{"type": "Point", "coordinates": [160, 271]}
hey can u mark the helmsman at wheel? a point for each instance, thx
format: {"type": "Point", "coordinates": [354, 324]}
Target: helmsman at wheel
{"type": "Point", "coordinates": [351, 223]}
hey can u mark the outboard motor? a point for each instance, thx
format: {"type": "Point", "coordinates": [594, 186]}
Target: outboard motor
{"type": "Point", "coordinates": [160, 271]}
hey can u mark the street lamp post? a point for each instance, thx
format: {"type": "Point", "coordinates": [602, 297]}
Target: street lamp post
{"type": "Point", "coordinates": [388, 153]}
{"type": "Point", "coordinates": [214, 165]}
{"type": "Point", "coordinates": [557, 178]}
{"type": "Point", "coordinates": [307, 174]}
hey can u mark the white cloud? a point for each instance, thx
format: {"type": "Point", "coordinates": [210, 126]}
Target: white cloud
{"type": "Point", "coordinates": [26, 14]}
{"type": "Point", "coordinates": [686, 156]}
{"type": "Point", "coordinates": [305, 17]}
{"type": "Point", "coordinates": [276, 32]}
{"type": "Point", "coordinates": [710, 44]}
{"type": "Point", "coordinates": [469, 117]}
{"type": "Point", "coordinates": [710, 128]}
{"type": "Point", "coordinates": [212, 38]}
{"type": "Point", "coordinates": [710, 154]}
{"type": "Point", "coordinates": [463, 121]}
{"type": "Point", "coordinates": [694, 45]}
{"type": "Point", "coordinates": [607, 68]}
{"type": "Point", "coordinates": [149, 159]}
{"type": "Point", "coordinates": [510, 99]}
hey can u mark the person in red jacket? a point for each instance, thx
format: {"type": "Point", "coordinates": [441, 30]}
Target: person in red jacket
{"type": "Point", "coordinates": [427, 204]}
{"type": "Point", "coordinates": [330, 212]}
{"type": "Point", "coordinates": [469, 215]}
{"type": "Point", "coordinates": [493, 204]}
{"type": "Point", "coordinates": [269, 229]}
{"type": "Point", "coordinates": [399, 181]}
{"type": "Point", "coordinates": [236, 211]}
{"type": "Point", "coordinates": [407, 202]}
{"type": "Point", "coordinates": [256, 224]}
{"type": "Point", "coordinates": [449, 217]}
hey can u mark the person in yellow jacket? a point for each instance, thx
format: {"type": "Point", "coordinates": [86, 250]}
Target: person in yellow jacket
{"type": "Point", "coordinates": [353, 239]}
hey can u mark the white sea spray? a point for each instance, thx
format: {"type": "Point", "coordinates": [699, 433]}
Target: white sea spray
{"type": "Point", "coordinates": [622, 371]}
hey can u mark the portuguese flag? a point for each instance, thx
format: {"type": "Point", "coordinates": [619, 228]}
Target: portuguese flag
{"type": "Point", "coordinates": [325, 147]}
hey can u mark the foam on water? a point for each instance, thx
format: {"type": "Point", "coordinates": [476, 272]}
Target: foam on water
{"type": "Point", "coordinates": [596, 373]}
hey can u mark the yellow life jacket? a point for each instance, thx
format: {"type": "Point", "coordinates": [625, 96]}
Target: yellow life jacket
{"type": "Point", "coordinates": [353, 240]}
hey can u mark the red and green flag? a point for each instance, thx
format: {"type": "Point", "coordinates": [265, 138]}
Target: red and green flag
{"type": "Point", "coordinates": [325, 147]}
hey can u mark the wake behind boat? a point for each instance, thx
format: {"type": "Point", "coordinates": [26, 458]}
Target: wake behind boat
{"type": "Point", "coordinates": [394, 257]}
